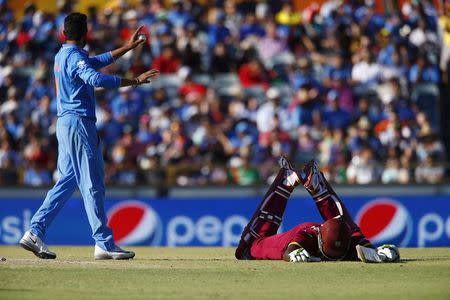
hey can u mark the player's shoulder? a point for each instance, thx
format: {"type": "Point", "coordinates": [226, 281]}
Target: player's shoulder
{"type": "Point", "coordinates": [75, 53]}
{"type": "Point", "coordinates": [307, 229]}
{"type": "Point", "coordinates": [310, 225]}
{"type": "Point", "coordinates": [77, 57]}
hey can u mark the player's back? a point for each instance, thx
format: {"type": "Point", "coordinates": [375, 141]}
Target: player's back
{"type": "Point", "coordinates": [273, 247]}
{"type": "Point", "coordinates": [73, 95]}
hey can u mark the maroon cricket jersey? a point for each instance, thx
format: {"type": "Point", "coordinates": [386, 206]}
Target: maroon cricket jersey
{"type": "Point", "coordinates": [305, 234]}
{"type": "Point", "coordinates": [273, 247]}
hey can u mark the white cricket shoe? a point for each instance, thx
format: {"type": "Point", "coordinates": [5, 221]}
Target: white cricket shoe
{"type": "Point", "coordinates": [34, 244]}
{"type": "Point", "coordinates": [116, 253]}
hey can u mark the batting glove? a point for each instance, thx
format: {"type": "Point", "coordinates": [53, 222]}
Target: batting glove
{"type": "Point", "coordinates": [388, 253]}
{"type": "Point", "coordinates": [301, 255]}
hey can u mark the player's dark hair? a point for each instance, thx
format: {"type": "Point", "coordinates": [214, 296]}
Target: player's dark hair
{"type": "Point", "coordinates": [75, 26]}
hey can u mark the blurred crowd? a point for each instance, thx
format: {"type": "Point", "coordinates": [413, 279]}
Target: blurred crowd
{"type": "Point", "coordinates": [241, 83]}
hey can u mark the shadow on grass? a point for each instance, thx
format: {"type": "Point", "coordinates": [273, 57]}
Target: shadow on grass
{"type": "Point", "coordinates": [186, 259]}
{"type": "Point", "coordinates": [15, 290]}
{"type": "Point", "coordinates": [407, 260]}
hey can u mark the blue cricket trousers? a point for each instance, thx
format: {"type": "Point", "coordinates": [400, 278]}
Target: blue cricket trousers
{"type": "Point", "coordinates": [80, 163]}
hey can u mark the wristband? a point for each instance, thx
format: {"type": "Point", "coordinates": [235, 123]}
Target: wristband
{"type": "Point", "coordinates": [137, 82]}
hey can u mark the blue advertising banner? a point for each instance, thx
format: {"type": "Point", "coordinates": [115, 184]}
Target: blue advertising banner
{"type": "Point", "coordinates": [421, 221]}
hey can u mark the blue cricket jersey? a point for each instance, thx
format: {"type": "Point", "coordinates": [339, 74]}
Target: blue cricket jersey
{"type": "Point", "coordinates": [76, 77]}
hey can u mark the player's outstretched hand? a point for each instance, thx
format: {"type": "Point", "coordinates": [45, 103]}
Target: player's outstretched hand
{"type": "Point", "coordinates": [147, 76]}
{"type": "Point", "coordinates": [301, 255]}
{"type": "Point", "coordinates": [134, 40]}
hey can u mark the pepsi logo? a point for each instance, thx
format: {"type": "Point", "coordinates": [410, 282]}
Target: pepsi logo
{"type": "Point", "coordinates": [384, 220]}
{"type": "Point", "coordinates": [135, 223]}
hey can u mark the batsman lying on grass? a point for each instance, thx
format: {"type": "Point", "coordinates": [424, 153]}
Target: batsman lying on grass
{"type": "Point", "coordinates": [338, 238]}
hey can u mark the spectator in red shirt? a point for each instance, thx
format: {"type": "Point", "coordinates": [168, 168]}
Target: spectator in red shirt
{"type": "Point", "coordinates": [191, 91]}
{"type": "Point", "coordinates": [167, 62]}
{"type": "Point", "coordinates": [23, 37]}
{"type": "Point", "coordinates": [252, 74]}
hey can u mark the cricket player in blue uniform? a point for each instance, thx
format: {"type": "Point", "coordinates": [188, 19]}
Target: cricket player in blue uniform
{"type": "Point", "coordinates": [80, 161]}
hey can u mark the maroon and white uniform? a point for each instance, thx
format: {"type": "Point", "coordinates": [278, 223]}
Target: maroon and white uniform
{"type": "Point", "coordinates": [273, 247]}
{"type": "Point", "coordinates": [259, 239]}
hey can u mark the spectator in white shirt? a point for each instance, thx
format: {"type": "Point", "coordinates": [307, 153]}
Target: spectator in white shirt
{"type": "Point", "coordinates": [367, 69]}
{"type": "Point", "coordinates": [363, 168]}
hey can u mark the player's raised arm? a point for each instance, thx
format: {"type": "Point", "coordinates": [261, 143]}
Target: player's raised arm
{"type": "Point", "coordinates": [107, 58]}
{"type": "Point", "coordinates": [82, 68]}
{"type": "Point", "coordinates": [101, 60]}
{"type": "Point", "coordinates": [132, 43]}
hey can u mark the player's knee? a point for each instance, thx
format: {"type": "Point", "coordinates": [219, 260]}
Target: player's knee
{"type": "Point", "coordinates": [97, 192]}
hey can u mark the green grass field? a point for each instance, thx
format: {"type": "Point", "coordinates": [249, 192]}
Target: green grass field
{"type": "Point", "coordinates": [213, 273]}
